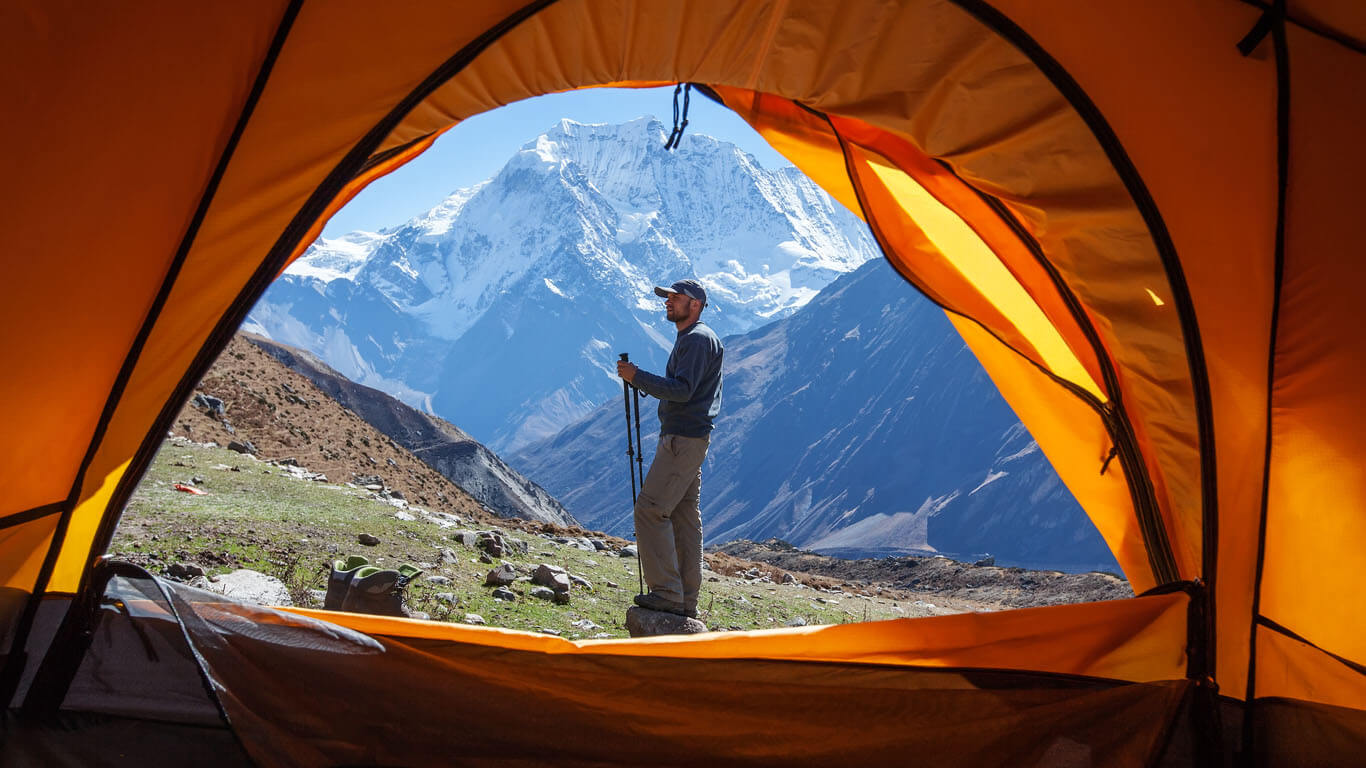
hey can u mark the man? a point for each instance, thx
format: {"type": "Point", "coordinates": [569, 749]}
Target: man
{"type": "Point", "coordinates": [668, 521]}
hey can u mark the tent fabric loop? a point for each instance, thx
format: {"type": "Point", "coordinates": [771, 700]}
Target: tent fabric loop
{"type": "Point", "coordinates": [676, 135]}
{"type": "Point", "coordinates": [1109, 457]}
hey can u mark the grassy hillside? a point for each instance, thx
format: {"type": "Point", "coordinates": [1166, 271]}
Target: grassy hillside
{"type": "Point", "coordinates": [257, 515]}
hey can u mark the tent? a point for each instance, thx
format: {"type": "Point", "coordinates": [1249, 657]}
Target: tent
{"type": "Point", "coordinates": [1141, 216]}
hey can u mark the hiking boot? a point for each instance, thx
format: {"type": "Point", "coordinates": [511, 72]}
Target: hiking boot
{"type": "Point", "coordinates": [339, 580]}
{"type": "Point", "coordinates": [653, 602]}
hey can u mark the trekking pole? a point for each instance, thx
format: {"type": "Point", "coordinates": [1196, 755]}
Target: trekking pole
{"type": "Point", "coordinates": [640, 447]}
{"type": "Point", "coordinates": [633, 460]}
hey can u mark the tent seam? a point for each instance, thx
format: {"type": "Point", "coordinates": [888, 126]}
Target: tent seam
{"type": "Point", "coordinates": [1280, 46]}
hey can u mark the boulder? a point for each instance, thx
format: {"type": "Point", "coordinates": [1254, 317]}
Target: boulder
{"type": "Point", "coordinates": [184, 571]}
{"type": "Point", "coordinates": [600, 545]}
{"type": "Point", "coordinates": [628, 551]}
{"type": "Point", "coordinates": [789, 578]}
{"type": "Point", "coordinates": [245, 446]}
{"type": "Point", "coordinates": [474, 618]}
{"type": "Point", "coordinates": [465, 537]}
{"type": "Point", "coordinates": [248, 586]}
{"type": "Point", "coordinates": [542, 593]}
{"type": "Point", "coordinates": [501, 576]}
{"type": "Point", "coordinates": [551, 576]}
{"type": "Point", "coordinates": [208, 403]}
{"type": "Point", "coordinates": [367, 539]}
{"type": "Point", "coordinates": [581, 581]}
{"type": "Point", "coordinates": [986, 561]}
{"type": "Point", "coordinates": [491, 542]}
{"type": "Point", "coordinates": [440, 581]}
{"type": "Point", "coordinates": [643, 622]}
{"type": "Point", "coordinates": [503, 593]}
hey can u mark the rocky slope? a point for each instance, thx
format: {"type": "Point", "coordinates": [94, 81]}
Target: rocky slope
{"type": "Point", "coordinates": [438, 443]}
{"type": "Point", "coordinates": [249, 397]}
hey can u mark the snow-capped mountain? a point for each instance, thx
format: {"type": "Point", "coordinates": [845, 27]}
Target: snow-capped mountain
{"type": "Point", "coordinates": [503, 308]}
{"type": "Point", "coordinates": [860, 426]}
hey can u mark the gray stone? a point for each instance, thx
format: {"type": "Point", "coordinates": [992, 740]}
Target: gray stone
{"type": "Point", "coordinates": [468, 538]}
{"type": "Point", "coordinates": [797, 622]}
{"type": "Point", "coordinates": [448, 556]}
{"type": "Point", "coordinates": [600, 545]}
{"type": "Point", "coordinates": [396, 493]}
{"type": "Point", "coordinates": [517, 544]}
{"type": "Point", "coordinates": [245, 446]}
{"type": "Point", "coordinates": [503, 593]}
{"type": "Point", "coordinates": [642, 622]}
{"type": "Point", "coordinates": [474, 618]}
{"type": "Point", "coordinates": [988, 560]}
{"type": "Point", "coordinates": [551, 576]}
{"type": "Point", "coordinates": [420, 615]}
{"type": "Point", "coordinates": [367, 539]}
{"type": "Point", "coordinates": [491, 542]}
{"type": "Point", "coordinates": [485, 557]}
{"type": "Point", "coordinates": [440, 581]}
{"type": "Point", "coordinates": [789, 578]}
{"type": "Point", "coordinates": [364, 480]}
{"type": "Point", "coordinates": [628, 551]}
{"type": "Point", "coordinates": [184, 571]}
{"type": "Point", "coordinates": [211, 404]}
{"type": "Point", "coordinates": [447, 597]}
{"type": "Point", "coordinates": [613, 585]}
{"type": "Point", "coordinates": [501, 576]}
{"type": "Point", "coordinates": [248, 586]}
{"type": "Point", "coordinates": [543, 593]}
{"type": "Point", "coordinates": [581, 581]}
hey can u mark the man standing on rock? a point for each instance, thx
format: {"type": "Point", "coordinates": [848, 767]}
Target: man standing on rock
{"type": "Point", "coordinates": [668, 521]}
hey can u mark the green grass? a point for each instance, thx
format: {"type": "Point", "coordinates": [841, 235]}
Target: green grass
{"type": "Point", "coordinates": [260, 518]}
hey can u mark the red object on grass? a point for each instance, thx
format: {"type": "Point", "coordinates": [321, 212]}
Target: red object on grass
{"type": "Point", "coordinates": [189, 489]}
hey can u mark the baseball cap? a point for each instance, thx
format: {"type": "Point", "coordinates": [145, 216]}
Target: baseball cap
{"type": "Point", "coordinates": [690, 288]}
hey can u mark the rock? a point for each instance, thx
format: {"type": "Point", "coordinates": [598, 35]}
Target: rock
{"type": "Point", "coordinates": [248, 586]}
{"type": "Point", "coordinates": [245, 446]}
{"type": "Point", "coordinates": [447, 597]}
{"type": "Point", "coordinates": [585, 625]}
{"type": "Point", "coordinates": [421, 615]}
{"type": "Point", "coordinates": [986, 561]}
{"type": "Point", "coordinates": [288, 461]}
{"type": "Point", "coordinates": [503, 593]}
{"type": "Point", "coordinates": [548, 631]}
{"type": "Point", "coordinates": [448, 556]}
{"type": "Point", "coordinates": [485, 557]}
{"type": "Point", "coordinates": [468, 538]}
{"type": "Point", "coordinates": [600, 545]}
{"type": "Point", "coordinates": [613, 585]}
{"type": "Point", "coordinates": [316, 596]}
{"type": "Point", "coordinates": [581, 581]}
{"type": "Point", "coordinates": [491, 542]}
{"type": "Point", "coordinates": [391, 462]}
{"type": "Point", "coordinates": [561, 597]}
{"type": "Point", "coordinates": [551, 576]}
{"type": "Point", "coordinates": [518, 544]}
{"type": "Point", "coordinates": [211, 404]}
{"type": "Point", "coordinates": [396, 493]}
{"type": "Point", "coordinates": [501, 576]}
{"type": "Point", "coordinates": [789, 578]}
{"type": "Point", "coordinates": [364, 480]}
{"type": "Point", "coordinates": [184, 571]}
{"type": "Point", "coordinates": [405, 516]}
{"type": "Point", "coordinates": [367, 539]}
{"type": "Point", "coordinates": [797, 622]}
{"type": "Point", "coordinates": [474, 618]}
{"type": "Point", "coordinates": [628, 551]}
{"type": "Point", "coordinates": [642, 622]}
{"type": "Point", "coordinates": [542, 593]}
{"type": "Point", "coordinates": [440, 581]}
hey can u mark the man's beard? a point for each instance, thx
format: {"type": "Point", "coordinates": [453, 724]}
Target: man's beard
{"type": "Point", "coordinates": [674, 316]}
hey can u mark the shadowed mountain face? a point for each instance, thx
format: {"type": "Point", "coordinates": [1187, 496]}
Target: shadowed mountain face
{"type": "Point", "coordinates": [441, 445]}
{"type": "Point", "coordinates": [860, 426]}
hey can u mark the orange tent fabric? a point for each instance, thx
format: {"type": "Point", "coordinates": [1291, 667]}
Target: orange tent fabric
{"type": "Point", "coordinates": [1145, 231]}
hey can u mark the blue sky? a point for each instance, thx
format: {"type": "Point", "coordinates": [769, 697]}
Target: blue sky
{"type": "Point", "coordinates": [477, 148]}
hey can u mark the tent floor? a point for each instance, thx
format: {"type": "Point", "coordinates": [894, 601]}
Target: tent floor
{"type": "Point", "coordinates": [90, 739]}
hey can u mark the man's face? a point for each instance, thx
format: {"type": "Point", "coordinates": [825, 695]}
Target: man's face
{"type": "Point", "coordinates": [676, 307]}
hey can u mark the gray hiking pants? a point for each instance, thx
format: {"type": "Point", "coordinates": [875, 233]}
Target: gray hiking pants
{"type": "Point", "coordinates": [668, 521]}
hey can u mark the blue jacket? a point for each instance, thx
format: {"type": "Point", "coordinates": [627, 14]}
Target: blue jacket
{"type": "Point", "coordinates": [689, 392]}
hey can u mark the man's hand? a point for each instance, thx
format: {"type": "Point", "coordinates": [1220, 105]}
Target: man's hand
{"type": "Point", "coordinates": [627, 370]}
